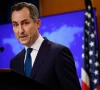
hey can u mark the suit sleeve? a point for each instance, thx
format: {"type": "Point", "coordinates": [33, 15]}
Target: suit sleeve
{"type": "Point", "coordinates": [66, 70]}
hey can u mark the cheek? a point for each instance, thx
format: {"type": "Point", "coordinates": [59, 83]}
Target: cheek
{"type": "Point", "coordinates": [29, 31]}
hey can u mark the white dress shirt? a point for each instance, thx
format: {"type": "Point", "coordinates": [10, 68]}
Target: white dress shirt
{"type": "Point", "coordinates": [36, 47]}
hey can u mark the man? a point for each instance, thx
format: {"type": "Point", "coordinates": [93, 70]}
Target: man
{"type": "Point", "coordinates": [52, 64]}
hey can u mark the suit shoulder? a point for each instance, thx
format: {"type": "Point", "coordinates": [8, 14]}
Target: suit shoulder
{"type": "Point", "coordinates": [54, 45]}
{"type": "Point", "coordinates": [58, 46]}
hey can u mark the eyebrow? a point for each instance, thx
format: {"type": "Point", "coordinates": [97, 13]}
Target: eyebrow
{"type": "Point", "coordinates": [24, 20]}
{"type": "Point", "coordinates": [21, 21]}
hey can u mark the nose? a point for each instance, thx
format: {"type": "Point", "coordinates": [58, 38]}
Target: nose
{"type": "Point", "coordinates": [21, 29]}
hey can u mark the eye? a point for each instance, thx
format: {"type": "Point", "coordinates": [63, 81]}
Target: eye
{"type": "Point", "coordinates": [15, 24]}
{"type": "Point", "coordinates": [25, 22]}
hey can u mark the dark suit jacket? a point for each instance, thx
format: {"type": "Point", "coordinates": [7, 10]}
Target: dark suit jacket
{"type": "Point", "coordinates": [54, 66]}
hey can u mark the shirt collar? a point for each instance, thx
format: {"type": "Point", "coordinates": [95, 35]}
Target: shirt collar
{"type": "Point", "coordinates": [37, 43]}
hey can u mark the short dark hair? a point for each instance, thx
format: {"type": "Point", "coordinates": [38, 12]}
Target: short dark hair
{"type": "Point", "coordinates": [34, 13]}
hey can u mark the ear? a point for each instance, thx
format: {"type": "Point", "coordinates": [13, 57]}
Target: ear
{"type": "Point", "coordinates": [38, 23]}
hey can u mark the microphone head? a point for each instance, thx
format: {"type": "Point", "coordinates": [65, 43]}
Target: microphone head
{"type": "Point", "coordinates": [1, 49]}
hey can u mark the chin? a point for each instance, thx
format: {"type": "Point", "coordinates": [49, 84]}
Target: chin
{"type": "Point", "coordinates": [24, 43]}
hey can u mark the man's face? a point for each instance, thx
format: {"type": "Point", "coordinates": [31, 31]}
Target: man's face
{"type": "Point", "coordinates": [24, 27]}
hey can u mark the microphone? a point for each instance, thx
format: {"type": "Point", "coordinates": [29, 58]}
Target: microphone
{"type": "Point", "coordinates": [1, 49]}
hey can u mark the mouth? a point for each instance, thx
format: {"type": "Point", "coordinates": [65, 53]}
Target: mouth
{"type": "Point", "coordinates": [23, 37]}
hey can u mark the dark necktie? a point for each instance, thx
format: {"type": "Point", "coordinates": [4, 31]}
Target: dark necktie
{"type": "Point", "coordinates": [28, 62]}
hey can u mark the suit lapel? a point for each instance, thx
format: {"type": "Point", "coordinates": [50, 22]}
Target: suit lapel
{"type": "Point", "coordinates": [21, 60]}
{"type": "Point", "coordinates": [40, 57]}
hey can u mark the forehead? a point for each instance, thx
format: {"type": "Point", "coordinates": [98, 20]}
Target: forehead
{"type": "Point", "coordinates": [20, 15]}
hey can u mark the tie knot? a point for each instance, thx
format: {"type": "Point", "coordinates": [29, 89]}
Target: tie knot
{"type": "Point", "coordinates": [29, 50]}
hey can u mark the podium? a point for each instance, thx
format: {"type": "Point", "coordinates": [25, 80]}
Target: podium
{"type": "Point", "coordinates": [12, 80]}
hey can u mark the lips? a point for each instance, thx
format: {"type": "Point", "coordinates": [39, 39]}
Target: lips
{"type": "Point", "coordinates": [23, 37]}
